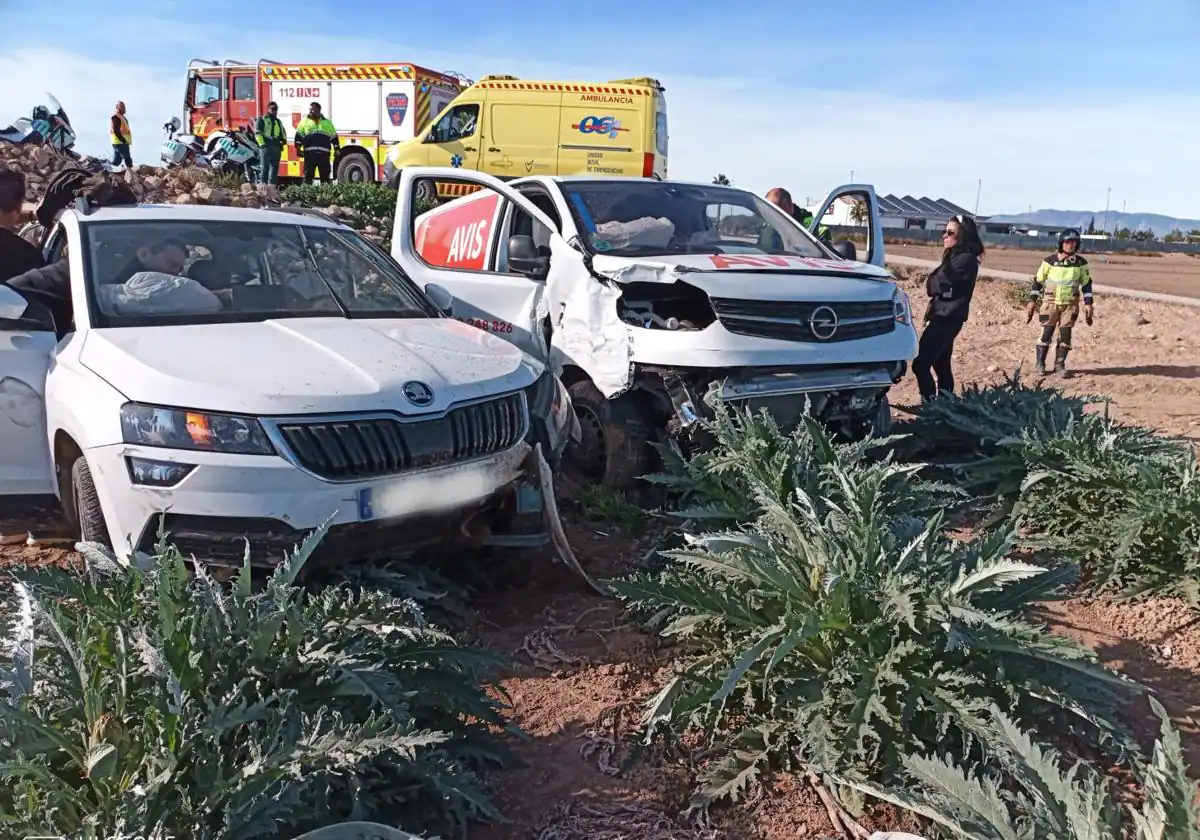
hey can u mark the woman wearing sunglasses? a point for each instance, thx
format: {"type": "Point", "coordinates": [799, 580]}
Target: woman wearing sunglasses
{"type": "Point", "coordinates": [950, 287]}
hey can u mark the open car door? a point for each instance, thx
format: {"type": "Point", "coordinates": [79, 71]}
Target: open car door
{"type": "Point", "coordinates": [863, 214]}
{"type": "Point", "coordinates": [26, 344]}
{"type": "Point", "coordinates": [497, 286]}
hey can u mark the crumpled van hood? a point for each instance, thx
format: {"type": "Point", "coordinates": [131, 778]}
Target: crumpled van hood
{"type": "Point", "coordinates": [307, 365]}
{"type": "Point", "coordinates": [755, 276]}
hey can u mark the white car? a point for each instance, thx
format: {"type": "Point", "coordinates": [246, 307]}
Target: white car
{"type": "Point", "coordinates": [655, 299]}
{"type": "Point", "coordinates": [249, 375]}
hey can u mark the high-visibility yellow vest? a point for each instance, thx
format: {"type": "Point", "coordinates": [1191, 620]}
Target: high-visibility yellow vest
{"type": "Point", "coordinates": [124, 130]}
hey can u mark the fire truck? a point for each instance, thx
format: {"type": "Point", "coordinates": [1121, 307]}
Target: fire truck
{"type": "Point", "coordinates": [373, 106]}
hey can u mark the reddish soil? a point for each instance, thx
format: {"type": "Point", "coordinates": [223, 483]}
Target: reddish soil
{"type": "Point", "coordinates": [1172, 274]}
{"type": "Point", "coordinates": [582, 672]}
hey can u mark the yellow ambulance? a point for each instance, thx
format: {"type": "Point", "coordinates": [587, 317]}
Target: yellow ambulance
{"type": "Point", "coordinates": [511, 128]}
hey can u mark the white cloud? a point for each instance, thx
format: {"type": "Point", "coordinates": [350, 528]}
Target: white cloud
{"type": "Point", "coordinates": [756, 132]}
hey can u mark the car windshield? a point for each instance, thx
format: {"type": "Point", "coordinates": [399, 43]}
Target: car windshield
{"type": "Point", "coordinates": [633, 217]}
{"type": "Point", "coordinates": [147, 273]}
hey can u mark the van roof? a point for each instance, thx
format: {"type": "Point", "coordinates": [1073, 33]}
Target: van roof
{"type": "Point", "coordinates": [567, 179]}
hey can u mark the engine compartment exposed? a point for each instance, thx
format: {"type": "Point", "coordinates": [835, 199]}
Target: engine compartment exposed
{"type": "Point", "coordinates": [667, 306]}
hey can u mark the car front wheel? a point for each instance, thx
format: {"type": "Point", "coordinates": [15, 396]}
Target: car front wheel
{"type": "Point", "coordinates": [85, 503]}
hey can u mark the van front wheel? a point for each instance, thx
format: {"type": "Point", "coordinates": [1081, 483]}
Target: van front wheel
{"type": "Point", "coordinates": [614, 446]}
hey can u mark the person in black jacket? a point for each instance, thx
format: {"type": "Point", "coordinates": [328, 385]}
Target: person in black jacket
{"type": "Point", "coordinates": [950, 287]}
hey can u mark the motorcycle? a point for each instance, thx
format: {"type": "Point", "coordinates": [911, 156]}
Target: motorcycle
{"type": "Point", "coordinates": [180, 149]}
{"type": "Point", "coordinates": [234, 151]}
{"type": "Point", "coordinates": [46, 125]}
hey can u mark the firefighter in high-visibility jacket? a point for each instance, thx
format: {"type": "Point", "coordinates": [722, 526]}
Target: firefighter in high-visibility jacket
{"type": "Point", "coordinates": [1062, 281]}
{"type": "Point", "coordinates": [315, 139]}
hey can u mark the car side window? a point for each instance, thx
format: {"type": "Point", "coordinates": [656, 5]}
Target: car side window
{"type": "Point", "coordinates": [523, 224]}
{"type": "Point", "coordinates": [455, 124]}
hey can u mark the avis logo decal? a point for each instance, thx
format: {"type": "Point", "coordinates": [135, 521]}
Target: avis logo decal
{"type": "Point", "coordinates": [600, 125]}
{"type": "Point", "coordinates": [467, 242]}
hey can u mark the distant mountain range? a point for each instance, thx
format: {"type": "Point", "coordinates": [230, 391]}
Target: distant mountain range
{"type": "Point", "coordinates": [1160, 225]}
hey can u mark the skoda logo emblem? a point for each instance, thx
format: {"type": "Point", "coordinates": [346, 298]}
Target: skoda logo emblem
{"type": "Point", "coordinates": [823, 322]}
{"type": "Point", "coordinates": [418, 393]}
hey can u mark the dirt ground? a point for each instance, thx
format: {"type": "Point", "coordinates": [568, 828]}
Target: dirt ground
{"type": "Point", "coordinates": [1145, 356]}
{"type": "Point", "coordinates": [582, 672]}
{"type": "Point", "coordinates": [1172, 274]}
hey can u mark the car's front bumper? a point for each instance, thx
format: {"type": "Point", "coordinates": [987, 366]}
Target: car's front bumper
{"type": "Point", "coordinates": [228, 499]}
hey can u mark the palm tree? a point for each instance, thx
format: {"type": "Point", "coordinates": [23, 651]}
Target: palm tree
{"type": "Point", "coordinates": [858, 213]}
{"type": "Point", "coordinates": [721, 180]}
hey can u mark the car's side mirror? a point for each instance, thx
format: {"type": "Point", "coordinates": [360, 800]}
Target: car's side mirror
{"type": "Point", "coordinates": [845, 249]}
{"type": "Point", "coordinates": [523, 257]}
{"type": "Point", "coordinates": [12, 305]}
{"type": "Point", "coordinates": [20, 315]}
{"type": "Point", "coordinates": [441, 297]}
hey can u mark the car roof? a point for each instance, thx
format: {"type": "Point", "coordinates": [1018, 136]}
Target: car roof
{"type": "Point", "coordinates": [205, 213]}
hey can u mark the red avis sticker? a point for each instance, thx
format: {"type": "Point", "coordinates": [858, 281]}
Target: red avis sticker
{"type": "Point", "coordinates": [777, 261]}
{"type": "Point", "coordinates": [458, 234]}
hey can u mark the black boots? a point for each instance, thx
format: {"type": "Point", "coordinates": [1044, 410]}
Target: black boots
{"type": "Point", "coordinates": [1060, 361]}
{"type": "Point", "coordinates": [1042, 350]}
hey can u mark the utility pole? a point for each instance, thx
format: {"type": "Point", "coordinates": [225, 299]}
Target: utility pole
{"type": "Point", "coordinates": [978, 190]}
{"type": "Point", "coordinates": [1104, 221]}
{"type": "Point", "coordinates": [851, 176]}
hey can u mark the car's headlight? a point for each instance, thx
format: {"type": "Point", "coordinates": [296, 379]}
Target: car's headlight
{"type": "Point", "coordinates": [202, 431]}
{"type": "Point", "coordinates": [902, 307]}
{"type": "Point", "coordinates": [549, 404]}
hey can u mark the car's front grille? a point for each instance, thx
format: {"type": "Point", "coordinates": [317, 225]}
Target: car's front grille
{"type": "Point", "coordinates": [354, 449]}
{"type": "Point", "coordinates": [795, 321]}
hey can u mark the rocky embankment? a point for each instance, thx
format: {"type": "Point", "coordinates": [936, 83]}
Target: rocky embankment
{"type": "Point", "coordinates": [156, 185]}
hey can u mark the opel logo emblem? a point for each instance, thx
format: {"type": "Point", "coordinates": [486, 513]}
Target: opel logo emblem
{"type": "Point", "coordinates": [823, 322]}
{"type": "Point", "coordinates": [418, 393]}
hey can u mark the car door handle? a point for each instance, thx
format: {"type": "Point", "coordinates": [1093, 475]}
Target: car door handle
{"type": "Point", "coordinates": [468, 148]}
{"type": "Point", "coordinates": [492, 149]}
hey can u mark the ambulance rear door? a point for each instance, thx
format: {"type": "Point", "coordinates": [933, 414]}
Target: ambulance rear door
{"type": "Point", "coordinates": [601, 130]}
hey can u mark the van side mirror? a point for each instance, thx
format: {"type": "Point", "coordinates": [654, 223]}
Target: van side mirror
{"type": "Point", "coordinates": [441, 298]}
{"type": "Point", "coordinates": [845, 249]}
{"type": "Point", "coordinates": [523, 257]}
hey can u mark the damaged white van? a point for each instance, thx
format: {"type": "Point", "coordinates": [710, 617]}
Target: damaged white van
{"type": "Point", "coordinates": [248, 375]}
{"type": "Point", "coordinates": [655, 298]}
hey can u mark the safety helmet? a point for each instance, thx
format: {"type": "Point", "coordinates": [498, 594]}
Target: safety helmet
{"type": "Point", "coordinates": [1068, 235]}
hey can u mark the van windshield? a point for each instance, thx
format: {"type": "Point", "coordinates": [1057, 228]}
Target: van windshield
{"type": "Point", "coordinates": [634, 217]}
{"type": "Point", "coordinates": [158, 272]}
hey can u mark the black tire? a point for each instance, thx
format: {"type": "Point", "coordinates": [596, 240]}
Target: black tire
{"type": "Point", "coordinates": [85, 505]}
{"type": "Point", "coordinates": [355, 168]}
{"type": "Point", "coordinates": [881, 419]}
{"type": "Point", "coordinates": [614, 450]}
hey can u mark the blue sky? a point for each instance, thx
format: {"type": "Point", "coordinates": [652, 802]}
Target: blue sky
{"type": "Point", "coordinates": [1048, 103]}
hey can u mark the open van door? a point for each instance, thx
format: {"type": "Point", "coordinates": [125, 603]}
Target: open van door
{"type": "Point", "coordinates": [27, 341]}
{"type": "Point", "coordinates": [497, 286]}
{"type": "Point", "coordinates": [863, 214]}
